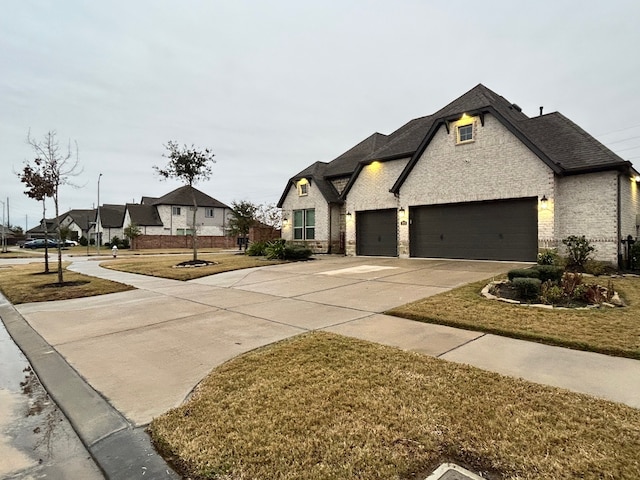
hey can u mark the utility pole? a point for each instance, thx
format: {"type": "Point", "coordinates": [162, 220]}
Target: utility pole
{"type": "Point", "coordinates": [98, 219]}
{"type": "Point", "coordinates": [4, 228]}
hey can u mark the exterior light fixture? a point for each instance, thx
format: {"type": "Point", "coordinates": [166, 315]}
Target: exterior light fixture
{"type": "Point", "coordinates": [401, 211]}
{"type": "Point", "coordinates": [544, 201]}
{"type": "Point", "coordinates": [637, 178]}
{"type": "Point", "coordinates": [285, 221]}
{"type": "Point", "coordinates": [348, 214]}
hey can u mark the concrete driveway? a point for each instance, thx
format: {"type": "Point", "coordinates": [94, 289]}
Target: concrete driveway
{"type": "Point", "coordinates": [145, 350]}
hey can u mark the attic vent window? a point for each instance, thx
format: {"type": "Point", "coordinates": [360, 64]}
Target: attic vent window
{"type": "Point", "coordinates": [465, 133]}
{"type": "Point", "coordinates": [303, 189]}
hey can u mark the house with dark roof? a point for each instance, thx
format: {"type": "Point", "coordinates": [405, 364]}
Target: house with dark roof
{"type": "Point", "coordinates": [478, 179]}
{"type": "Point", "coordinates": [172, 214]}
{"type": "Point", "coordinates": [79, 222]}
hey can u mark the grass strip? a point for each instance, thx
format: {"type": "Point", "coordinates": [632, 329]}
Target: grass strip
{"type": "Point", "coordinates": [28, 283]}
{"type": "Point", "coordinates": [164, 265]}
{"type": "Point", "coordinates": [612, 331]}
{"type": "Point", "coordinates": [324, 406]}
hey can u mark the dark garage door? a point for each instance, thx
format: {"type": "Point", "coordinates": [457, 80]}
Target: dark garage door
{"type": "Point", "coordinates": [497, 230]}
{"type": "Point", "coordinates": [377, 233]}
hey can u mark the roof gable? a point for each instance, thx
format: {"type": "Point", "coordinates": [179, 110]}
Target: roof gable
{"type": "Point", "coordinates": [144, 215]}
{"type": "Point", "coordinates": [183, 196]}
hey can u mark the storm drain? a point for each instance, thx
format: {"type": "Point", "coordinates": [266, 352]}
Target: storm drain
{"type": "Point", "coordinates": [451, 471]}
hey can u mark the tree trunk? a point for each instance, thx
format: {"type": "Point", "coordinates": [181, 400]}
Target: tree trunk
{"type": "Point", "coordinates": [194, 233]}
{"type": "Point", "coordinates": [46, 238]}
{"type": "Point", "coordinates": [55, 201]}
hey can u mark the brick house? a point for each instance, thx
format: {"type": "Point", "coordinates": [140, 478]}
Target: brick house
{"type": "Point", "coordinates": [478, 179]}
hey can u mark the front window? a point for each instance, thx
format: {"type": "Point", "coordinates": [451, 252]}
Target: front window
{"type": "Point", "coordinates": [177, 211]}
{"type": "Point", "coordinates": [209, 212]}
{"type": "Point", "coordinates": [184, 231]}
{"type": "Point", "coordinates": [304, 224]}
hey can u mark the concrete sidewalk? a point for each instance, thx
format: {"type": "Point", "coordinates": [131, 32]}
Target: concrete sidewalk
{"type": "Point", "coordinates": [143, 351]}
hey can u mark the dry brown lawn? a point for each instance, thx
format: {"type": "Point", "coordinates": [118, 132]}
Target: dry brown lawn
{"type": "Point", "coordinates": [165, 265]}
{"type": "Point", "coordinates": [613, 331]}
{"type": "Point", "coordinates": [28, 283]}
{"type": "Point", "coordinates": [322, 406]}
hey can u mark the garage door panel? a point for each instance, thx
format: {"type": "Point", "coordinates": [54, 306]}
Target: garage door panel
{"type": "Point", "coordinates": [377, 233]}
{"type": "Point", "coordinates": [500, 230]}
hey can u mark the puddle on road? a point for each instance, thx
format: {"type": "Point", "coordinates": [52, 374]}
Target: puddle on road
{"type": "Point", "coordinates": [36, 440]}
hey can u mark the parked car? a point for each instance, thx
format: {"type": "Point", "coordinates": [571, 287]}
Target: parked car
{"type": "Point", "coordinates": [39, 243]}
{"type": "Point", "coordinates": [70, 243]}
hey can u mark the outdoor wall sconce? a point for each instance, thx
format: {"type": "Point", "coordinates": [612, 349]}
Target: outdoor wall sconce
{"type": "Point", "coordinates": [401, 211]}
{"type": "Point", "coordinates": [544, 202]}
{"type": "Point", "coordinates": [349, 215]}
{"type": "Point", "coordinates": [637, 178]}
{"type": "Point", "coordinates": [285, 221]}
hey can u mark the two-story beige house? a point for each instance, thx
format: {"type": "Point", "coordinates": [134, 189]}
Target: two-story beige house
{"type": "Point", "coordinates": [478, 179]}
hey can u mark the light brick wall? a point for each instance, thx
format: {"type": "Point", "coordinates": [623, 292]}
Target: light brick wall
{"type": "Point", "coordinates": [206, 225]}
{"type": "Point", "coordinates": [340, 183]}
{"type": "Point", "coordinates": [315, 200]}
{"type": "Point", "coordinates": [587, 205]}
{"type": "Point", "coordinates": [371, 192]}
{"type": "Point", "coordinates": [629, 206]}
{"type": "Point", "coordinates": [495, 165]}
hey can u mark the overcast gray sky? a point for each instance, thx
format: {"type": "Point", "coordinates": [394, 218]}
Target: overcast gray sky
{"type": "Point", "coordinates": [272, 87]}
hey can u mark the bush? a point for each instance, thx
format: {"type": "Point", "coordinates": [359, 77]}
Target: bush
{"type": "Point", "coordinates": [279, 250]}
{"type": "Point", "coordinates": [551, 294]}
{"type": "Point", "coordinates": [296, 252]}
{"type": "Point", "coordinates": [579, 249]}
{"type": "Point", "coordinates": [114, 241]}
{"type": "Point", "coordinates": [257, 249]}
{"type": "Point", "coordinates": [527, 288]}
{"type": "Point", "coordinates": [595, 267]}
{"type": "Point", "coordinates": [549, 272]}
{"type": "Point", "coordinates": [523, 273]}
{"type": "Point", "coordinates": [634, 253]}
{"type": "Point", "coordinates": [125, 243]}
{"type": "Point", "coordinates": [548, 257]}
{"type": "Point", "coordinates": [83, 241]}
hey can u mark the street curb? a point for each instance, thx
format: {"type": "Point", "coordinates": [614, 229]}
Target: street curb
{"type": "Point", "coordinates": [121, 451]}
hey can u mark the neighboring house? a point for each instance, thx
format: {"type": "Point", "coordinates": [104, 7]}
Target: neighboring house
{"type": "Point", "coordinates": [111, 220]}
{"type": "Point", "coordinates": [80, 223]}
{"type": "Point", "coordinates": [172, 214]}
{"type": "Point", "coordinates": [478, 180]}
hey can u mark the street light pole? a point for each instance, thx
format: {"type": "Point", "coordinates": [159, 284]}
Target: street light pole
{"type": "Point", "coordinates": [4, 238]}
{"type": "Point", "coordinates": [98, 219]}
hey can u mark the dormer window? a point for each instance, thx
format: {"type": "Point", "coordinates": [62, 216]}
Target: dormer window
{"type": "Point", "coordinates": [465, 133]}
{"type": "Point", "coordinates": [303, 188]}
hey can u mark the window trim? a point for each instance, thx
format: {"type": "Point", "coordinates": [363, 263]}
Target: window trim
{"type": "Point", "coordinates": [176, 211]}
{"type": "Point", "coordinates": [208, 210]}
{"type": "Point", "coordinates": [459, 140]}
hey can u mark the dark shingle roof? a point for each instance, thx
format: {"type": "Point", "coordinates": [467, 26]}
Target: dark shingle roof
{"type": "Point", "coordinates": [320, 173]}
{"type": "Point", "coordinates": [183, 196]}
{"type": "Point", "coordinates": [148, 200]}
{"type": "Point", "coordinates": [568, 145]}
{"type": "Point", "coordinates": [144, 215]}
{"type": "Point", "coordinates": [112, 216]}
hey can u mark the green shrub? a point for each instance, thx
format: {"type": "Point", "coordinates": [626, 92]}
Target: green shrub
{"type": "Point", "coordinates": [548, 257]}
{"type": "Point", "coordinates": [571, 284]}
{"type": "Point", "coordinates": [527, 288]}
{"type": "Point", "coordinates": [125, 243]}
{"type": "Point", "coordinates": [257, 249]}
{"type": "Point", "coordinates": [523, 273]}
{"type": "Point", "coordinates": [595, 267]}
{"type": "Point", "coordinates": [296, 252]}
{"type": "Point", "coordinates": [549, 272]}
{"type": "Point", "coordinates": [634, 253]}
{"type": "Point", "coordinates": [83, 241]}
{"type": "Point", "coordinates": [579, 249]}
{"type": "Point", "coordinates": [275, 250]}
{"type": "Point", "coordinates": [551, 294]}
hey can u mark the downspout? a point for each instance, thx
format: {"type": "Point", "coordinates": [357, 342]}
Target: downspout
{"type": "Point", "coordinates": [330, 236]}
{"type": "Point", "coordinates": [619, 221]}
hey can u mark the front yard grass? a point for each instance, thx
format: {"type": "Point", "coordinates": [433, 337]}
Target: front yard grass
{"type": "Point", "coordinates": [322, 406]}
{"type": "Point", "coordinates": [28, 283]}
{"type": "Point", "coordinates": [164, 266]}
{"type": "Point", "coordinates": [612, 331]}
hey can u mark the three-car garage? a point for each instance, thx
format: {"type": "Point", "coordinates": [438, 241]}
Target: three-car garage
{"type": "Point", "coordinates": [489, 230]}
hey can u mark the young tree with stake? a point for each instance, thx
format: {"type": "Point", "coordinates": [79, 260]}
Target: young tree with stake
{"type": "Point", "coordinates": [190, 166]}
